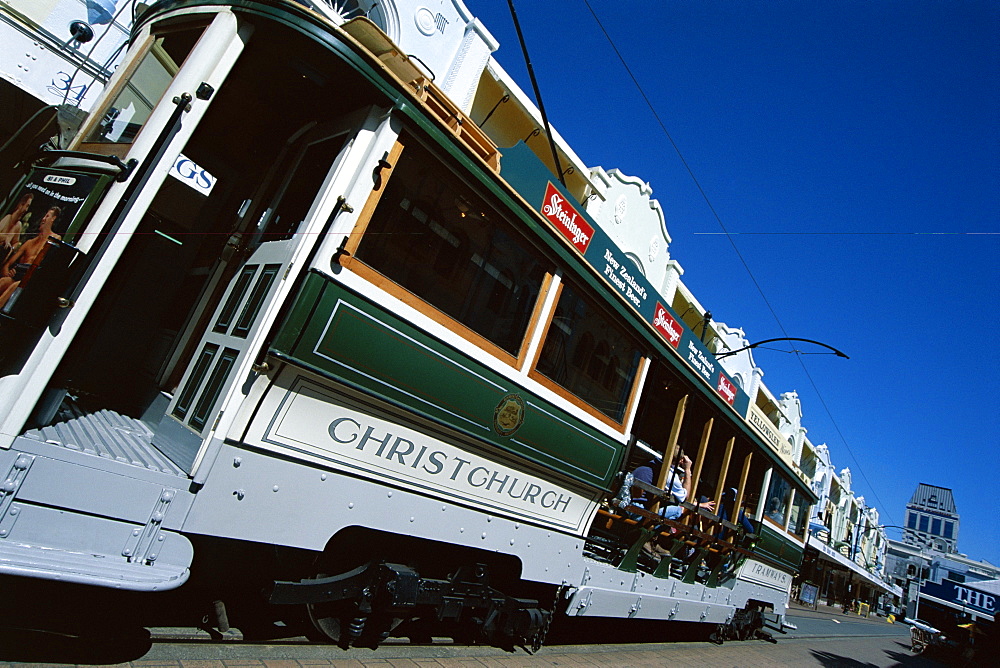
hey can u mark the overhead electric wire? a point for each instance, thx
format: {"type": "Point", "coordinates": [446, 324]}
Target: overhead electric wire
{"type": "Point", "coordinates": [538, 93]}
{"type": "Point", "coordinates": [732, 242]}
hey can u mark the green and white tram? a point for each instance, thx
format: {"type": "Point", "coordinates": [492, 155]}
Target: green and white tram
{"type": "Point", "coordinates": [290, 295]}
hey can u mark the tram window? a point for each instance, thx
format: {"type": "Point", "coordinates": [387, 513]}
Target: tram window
{"type": "Point", "coordinates": [433, 236]}
{"type": "Point", "coordinates": [799, 515]}
{"type": "Point", "coordinates": [587, 355]}
{"type": "Point", "coordinates": [131, 107]}
{"type": "Point", "coordinates": [778, 497]}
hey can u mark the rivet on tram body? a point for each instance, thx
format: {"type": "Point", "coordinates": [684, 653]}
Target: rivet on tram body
{"type": "Point", "coordinates": [13, 510]}
{"type": "Point", "coordinates": [412, 519]}
{"type": "Point", "coordinates": [484, 536]}
{"type": "Point", "coordinates": [237, 462]}
{"type": "Point", "coordinates": [274, 489]}
{"type": "Point", "coordinates": [135, 532]}
{"type": "Point", "coordinates": [389, 495]}
{"type": "Point", "coordinates": [350, 505]}
{"type": "Point", "coordinates": [322, 476]}
{"type": "Point", "coordinates": [22, 463]}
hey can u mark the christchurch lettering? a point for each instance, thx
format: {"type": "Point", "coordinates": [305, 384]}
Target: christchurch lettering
{"type": "Point", "coordinates": [402, 452]}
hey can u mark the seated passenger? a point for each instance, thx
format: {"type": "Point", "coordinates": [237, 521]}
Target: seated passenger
{"type": "Point", "coordinates": [679, 482]}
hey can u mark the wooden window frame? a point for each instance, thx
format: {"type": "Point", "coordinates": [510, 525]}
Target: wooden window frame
{"type": "Point", "coordinates": [540, 378]}
{"type": "Point", "coordinates": [351, 262]}
{"type": "Point", "coordinates": [109, 95]}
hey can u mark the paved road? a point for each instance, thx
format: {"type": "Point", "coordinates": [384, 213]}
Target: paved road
{"type": "Point", "coordinates": [821, 639]}
{"type": "Point", "coordinates": [828, 652]}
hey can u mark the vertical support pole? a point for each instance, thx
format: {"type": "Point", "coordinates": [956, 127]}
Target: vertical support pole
{"type": "Point", "coordinates": [741, 488]}
{"type": "Point", "coordinates": [668, 454]}
{"type": "Point", "coordinates": [762, 502]}
{"type": "Point", "coordinates": [706, 432]}
{"type": "Point", "coordinates": [720, 486]}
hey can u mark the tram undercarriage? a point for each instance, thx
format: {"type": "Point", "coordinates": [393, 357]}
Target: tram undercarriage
{"type": "Point", "coordinates": [362, 606]}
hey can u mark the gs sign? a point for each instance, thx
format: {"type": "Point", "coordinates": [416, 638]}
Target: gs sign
{"type": "Point", "coordinates": [187, 171]}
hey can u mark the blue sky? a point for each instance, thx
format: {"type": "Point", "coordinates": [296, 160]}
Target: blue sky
{"type": "Point", "coordinates": [852, 150]}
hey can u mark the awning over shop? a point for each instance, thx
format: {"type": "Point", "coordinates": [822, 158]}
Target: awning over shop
{"type": "Point", "coordinates": [962, 596]}
{"type": "Point", "coordinates": [829, 554]}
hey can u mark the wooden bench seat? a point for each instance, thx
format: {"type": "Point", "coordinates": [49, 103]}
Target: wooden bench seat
{"type": "Point", "coordinates": [687, 545]}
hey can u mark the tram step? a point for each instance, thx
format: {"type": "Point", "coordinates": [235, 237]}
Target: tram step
{"type": "Point", "coordinates": [108, 434]}
{"type": "Point", "coordinates": [86, 568]}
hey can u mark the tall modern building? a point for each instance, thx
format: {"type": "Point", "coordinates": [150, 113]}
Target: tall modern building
{"type": "Point", "coordinates": [932, 519]}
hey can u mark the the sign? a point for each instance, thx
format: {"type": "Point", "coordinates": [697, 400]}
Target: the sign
{"type": "Point", "coordinates": [808, 594]}
{"type": "Point", "coordinates": [963, 595]}
{"type": "Point", "coordinates": [313, 421]}
{"type": "Point", "coordinates": [667, 325]}
{"type": "Point", "coordinates": [567, 219]}
{"type": "Point", "coordinates": [191, 174]}
{"type": "Point", "coordinates": [42, 211]}
{"type": "Point", "coordinates": [762, 574]}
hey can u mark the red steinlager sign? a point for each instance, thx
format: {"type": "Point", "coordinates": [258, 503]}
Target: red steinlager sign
{"type": "Point", "coordinates": [566, 219]}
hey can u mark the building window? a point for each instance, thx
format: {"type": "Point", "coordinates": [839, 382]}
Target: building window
{"type": "Point", "coordinates": [911, 520]}
{"type": "Point", "coordinates": [949, 530]}
{"type": "Point", "coordinates": [936, 526]}
{"type": "Point", "coordinates": [923, 523]}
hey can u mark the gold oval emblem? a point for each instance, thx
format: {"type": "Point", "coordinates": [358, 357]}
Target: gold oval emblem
{"type": "Point", "coordinates": [508, 415]}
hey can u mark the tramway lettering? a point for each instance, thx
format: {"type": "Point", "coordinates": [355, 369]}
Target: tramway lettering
{"type": "Point", "coordinates": [404, 452]}
{"type": "Point", "coordinates": [768, 573]}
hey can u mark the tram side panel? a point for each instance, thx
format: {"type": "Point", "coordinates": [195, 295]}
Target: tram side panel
{"type": "Point", "coordinates": [367, 401]}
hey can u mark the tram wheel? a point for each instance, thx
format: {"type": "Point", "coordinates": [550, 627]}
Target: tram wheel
{"type": "Point", "coordinates": [327, 620]}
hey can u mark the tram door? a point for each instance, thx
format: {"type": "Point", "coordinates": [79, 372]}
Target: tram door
{"type": "Point", "coordinates": [274, 242]}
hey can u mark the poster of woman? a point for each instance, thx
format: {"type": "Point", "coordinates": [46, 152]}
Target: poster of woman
{"type": "Point", "coordinates": [42, 212]}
